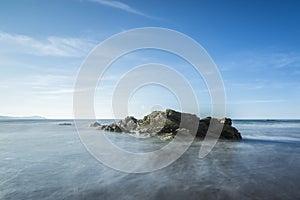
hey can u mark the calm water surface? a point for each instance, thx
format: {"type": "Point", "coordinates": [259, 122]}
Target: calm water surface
{"type": "Point", "coordinates": [42, 160]}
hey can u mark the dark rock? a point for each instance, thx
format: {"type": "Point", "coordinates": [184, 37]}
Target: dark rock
{"type": "Point", "coordinates": [157, 123]}
{"type": "Point", "coordinates": [65, 124]}
{"type": "Point", "coordinates": [167, 124]}
{"type": "Point", "coordinates": [128, 124]}
{"type": "Point", "coordinates": [112, 128]}
{"type": "Point", "coordinates": [230, 132]}
{"type": "Point", "coordinates": [226, 121]}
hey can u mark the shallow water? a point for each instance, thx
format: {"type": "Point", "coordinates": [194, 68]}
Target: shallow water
{"type": "Point", "coordinates": [42, 160]}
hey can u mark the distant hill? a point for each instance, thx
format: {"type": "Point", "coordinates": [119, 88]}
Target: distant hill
{"type": "Point", "coordinates": [27, 117]}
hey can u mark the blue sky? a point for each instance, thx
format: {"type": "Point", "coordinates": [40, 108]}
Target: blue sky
{"type": "Point", "coordinates": [255, 44]}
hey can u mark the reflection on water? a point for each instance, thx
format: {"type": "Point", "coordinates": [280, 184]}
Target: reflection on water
{"type": "Point", "coordinates": [41, 160]}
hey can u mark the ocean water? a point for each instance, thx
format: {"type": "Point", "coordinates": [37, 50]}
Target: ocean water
{"type": "Point", "coordinates": [41, 160]}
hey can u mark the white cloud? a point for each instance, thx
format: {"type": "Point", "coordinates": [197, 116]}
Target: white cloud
{"type": "Point", "coordinates": [121, 6]}
{"type": "Point", "coordinates": [52, 46]}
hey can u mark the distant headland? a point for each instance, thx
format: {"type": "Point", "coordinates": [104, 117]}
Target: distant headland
{"type": "Point", "coordinates": [25, 117]}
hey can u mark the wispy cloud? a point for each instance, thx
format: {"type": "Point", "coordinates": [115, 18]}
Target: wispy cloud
{"type": "Point", "coordinates": [62, 91]}
{"type": "Point", "coordinates": [258, 101]}
{"type": "Point", "coordinates": [121, 6]}
{"type": "Point", "coordinates": [278, 60]}
{"type": "Point", "coordinates": [254, 85]}
{"type": "Point", "coordinates": [58, 91]}
{"type": "Point", "coordinates": [52, 46]}
{"type": "Point", "coordinates": [49, 80]}
{"type": "Point", "coordinates": [257, 61]}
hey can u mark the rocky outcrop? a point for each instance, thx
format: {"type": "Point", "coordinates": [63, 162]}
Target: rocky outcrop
{"type": "Point", "coordinates": [95, 124]}
{"type": "Point", "coordinates": [166, 124]}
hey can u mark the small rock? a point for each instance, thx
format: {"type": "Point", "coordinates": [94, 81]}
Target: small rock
{"type": "Point", "coordinates": [95, 124]}
{"type": "Point", "coordinates": [65, 124]}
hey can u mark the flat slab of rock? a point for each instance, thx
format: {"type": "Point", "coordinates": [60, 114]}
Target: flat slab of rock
{"type": "Point", "coordinates": [65, 124]}
{"type": "Point", "coordinates": [166, 124]}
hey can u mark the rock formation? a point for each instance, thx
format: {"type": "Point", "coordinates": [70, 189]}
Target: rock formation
{"type": "Point", "coordinates": [166, 124]}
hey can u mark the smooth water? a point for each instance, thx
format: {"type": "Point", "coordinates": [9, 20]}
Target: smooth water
{"type": "Point", "coordinates": [41, 160]}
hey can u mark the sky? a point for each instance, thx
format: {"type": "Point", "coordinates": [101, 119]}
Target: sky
{"type": "Point", "coordinates": [254, 44]}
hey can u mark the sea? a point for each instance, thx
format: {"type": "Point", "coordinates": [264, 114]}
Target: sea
{"type": "Point", "coordinates": [40, 159]}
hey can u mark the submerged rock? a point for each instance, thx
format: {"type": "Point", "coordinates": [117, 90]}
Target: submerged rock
{"type": "Point", "coordinates": [167, 124]}
{"type": "Point", "coordinates": [65, 124]}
